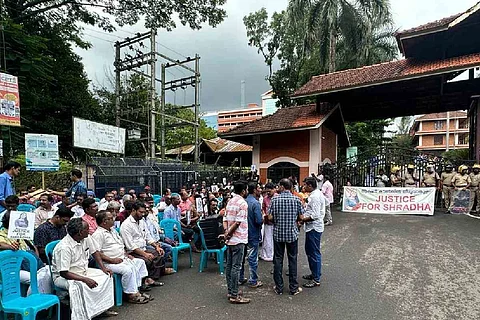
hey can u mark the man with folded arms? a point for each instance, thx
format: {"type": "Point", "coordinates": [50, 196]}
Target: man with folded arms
{"type": "Point", "coordinates": [90, 290]}
{"type": "Point", "coordinates": [112, 251]}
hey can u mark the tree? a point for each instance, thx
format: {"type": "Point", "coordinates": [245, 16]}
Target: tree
{"type": "Point", "coordinates": [368, 136]}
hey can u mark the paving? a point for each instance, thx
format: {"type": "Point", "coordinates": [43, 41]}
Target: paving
{"type": "Point", "coordinates": [374, 267]}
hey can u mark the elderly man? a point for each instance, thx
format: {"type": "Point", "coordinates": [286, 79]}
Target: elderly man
{"type": "Point", "coordinates": [112, 251]}
{"type": "Point", "coordinates": [105, 201]}
{"type": "Point", "coordinates": [139, 243]}
{"type": "Point", "coordinates": [90, 290]}
{"type": "Point", "coordinates": [51, 230]}
{"type": "Point", "coordinates": [91, 208]}
{"type": "Point", "coordinates": [45, 211]}
{"type": "Point", "coordinates": [174, 212]}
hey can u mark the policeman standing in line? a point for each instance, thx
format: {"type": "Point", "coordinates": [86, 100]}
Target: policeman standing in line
{"type": "Point", "coordinates": [460, 182]}
{"type": "Point", "coordinates": [474, 188]}
{"type": "Point", "coordinates": [410, 179]}
{"type": "Point", "coordinates": [395, 178]}
{"type": "Point", "coordinates": [430, 178]}
{"type": "Point", "coordinates": [446, 185]}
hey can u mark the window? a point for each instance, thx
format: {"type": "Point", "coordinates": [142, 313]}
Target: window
{"type": "Point", "coordinates": [463, 138]}
{"type": "Point", "coordinates": [438, 140]}
{"type": "Point", "coordinates": [463, 124]}
{"type": "Point", "coordinates": [440, 125]}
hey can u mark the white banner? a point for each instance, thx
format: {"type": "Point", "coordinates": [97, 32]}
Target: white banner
{"type": "Point", "coordinates": [98, 136]}
{"type": "Point", "coordinates": [389, 200]}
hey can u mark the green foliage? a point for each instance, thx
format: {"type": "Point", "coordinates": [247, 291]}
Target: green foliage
{"type": "Point", "coordinates": [403, 141]}
{"type": "Point", "coordinates": [368, 135]}
{"type": "Point", "coordinates": [456, 155]}
{"type": "Point", "coordinates": [312, 37]}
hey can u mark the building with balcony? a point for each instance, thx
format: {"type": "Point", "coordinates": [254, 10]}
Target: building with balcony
{"type": "Point", "coordinates": [232, 118]}
{"type": "Point", "coordinates": [269, 104]}
{"type": "Point", "coordinates": [430, 131]}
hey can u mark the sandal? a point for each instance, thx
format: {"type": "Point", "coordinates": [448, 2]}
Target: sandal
{"type": "Point", "coordinates": [156, 284]}
{"type": "Point", "coordinates": [145, 288]}
{"type": "Point", "coordinates": [138, 299]}
{"type": "Point", "coordinates": [110, 313]}
{"type": "Point", "coordinates": [169, 271]}
{"type": "Point", "coordinates": [148, 297]}
{"type": "Point", "coordinates": [239, 300]}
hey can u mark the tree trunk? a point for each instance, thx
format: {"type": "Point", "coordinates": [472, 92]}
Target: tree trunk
{"type": "Point", "coordinates": [332, 51]}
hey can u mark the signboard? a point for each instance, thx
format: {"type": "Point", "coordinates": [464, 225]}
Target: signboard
{"type": "Point", "coordinates": [389, 200]}
{"type": "Point", "coordinates": [352, 152]}
{"type": "Point", "coordinates": [21, 225]}
{"type": "Point", "coordinates": [98, 136]}
{"type": "Point", "coordinates": [460, 202]}
{"type": "Point", "coordinates": [41, 152]}
{"type": "Point", "coordinates": [9, 100]}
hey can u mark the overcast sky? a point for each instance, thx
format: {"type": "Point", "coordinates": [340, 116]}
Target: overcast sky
{"type": "Point", "coordinates": [226, 58]}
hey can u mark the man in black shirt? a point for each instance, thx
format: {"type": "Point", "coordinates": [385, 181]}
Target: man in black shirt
{"type": "Point", "coordinates": [51, 230]}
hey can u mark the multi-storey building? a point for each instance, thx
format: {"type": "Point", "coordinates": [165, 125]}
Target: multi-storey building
{"type": "Point", "coordinates": [232, 118]}
{"type": "Point", "coordinates": [430, 131]}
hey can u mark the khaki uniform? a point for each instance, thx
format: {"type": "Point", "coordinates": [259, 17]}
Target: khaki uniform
{"type": "Point", "coordinates": [446, 179]}
{"type": "Point", "coordinates": [410, 180]}
{"type": "Point", "coordinates": [461, 180]}
{"type": "Point", "coordinates": [430, 179]}
{"type": "Point", "coordinates": [475, 191]}
{"type": "Point", "coordinates": [396, 181]}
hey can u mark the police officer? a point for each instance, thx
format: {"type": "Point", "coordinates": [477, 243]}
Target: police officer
{"type": "Point", "coordinates": [446, 184]}
{"type": "Point", "coordinates": [430, 178]}
{"type": "Point", "coordinates": [395, 178]}
{"type": "Point", "coordinates": [410, 179]}
{"type": "Point", "coordinates": [474, 188]}
{"type": "Point", "coordinates": [462, 180]}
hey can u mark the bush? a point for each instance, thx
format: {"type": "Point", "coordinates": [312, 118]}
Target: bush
{"type": "Point", "coordinates": [456, 155]}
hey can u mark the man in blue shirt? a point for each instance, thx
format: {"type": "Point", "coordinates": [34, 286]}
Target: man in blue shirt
{"type": "Point", "coordinates": [255, 221]}
{"type": "Point", "coordinates": [11, 170]}
{"type": "Point", "coordinates": [174, 212]}
{"type": "Point", "coordinates": [78, 186]}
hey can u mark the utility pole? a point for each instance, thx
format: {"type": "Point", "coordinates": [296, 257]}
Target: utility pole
{"type": "Point", "coordinates": [153, 133]}
{"type": "Point", "coordinates": [197, 105]}
{"type": "Point", "coordinates": [117, 84]}
{"type": "Point", "coordinates": [162, 111]}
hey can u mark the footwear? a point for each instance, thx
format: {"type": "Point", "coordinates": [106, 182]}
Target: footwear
{"type": "Point", "coordinates": [294, 293]}
{"type": "Point", "coordinates": [239, 300]}
{"type": "Point", "coordinates": [243, 281]}
{"type": "Point", "coordinates": [156, 284]}
{"type": "Point", "coordinates": [277, 291]}
{"type": "Point", "coordinates": [308, 277]}
{"type": "Point", "coordinates": [145, 288]}
{"type": "Point", "coordinates": [147, 296]}
{"type": "Point", "coordinates": [329, 223]}
{"type": "Point", "coordinates": [169, 271]}
{"type": "Point", "coordinates": [256, 285]}
{"type": "Point", "coordinates": [138, 299]}
{"type": "Point", "coordinates": [229, 296]}
{"type": "Point", "coordinates": [110, 313]}
{"type": "Point", "coordinates": [311, 284]}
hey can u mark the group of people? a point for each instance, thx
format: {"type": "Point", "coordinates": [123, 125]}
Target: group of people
{"type": "Point", "coordinates": [282, 213]}
{"type": "Point", "coordinates": [448, 181]}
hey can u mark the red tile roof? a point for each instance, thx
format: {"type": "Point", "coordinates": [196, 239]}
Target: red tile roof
{"type": "Point", "coordinates": [219, 145]}
{"type": "Point", "coordinates": [442, 115]}
{"type": "Point", "coordinates": [438, 24]}
{"type": "Point", "coordinates": [284, 119]}
{"type": "Point", "coordinates": [384, 73]}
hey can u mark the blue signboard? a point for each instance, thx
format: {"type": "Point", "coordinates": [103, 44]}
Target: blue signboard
{"type": "Point", "coordinates": [41, 152]}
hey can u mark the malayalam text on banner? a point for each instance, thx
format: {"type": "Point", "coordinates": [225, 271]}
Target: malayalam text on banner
{"type": "Point", "coordinates": [389, 200]}
{"type": "Point", "coordinates": [9, 100]}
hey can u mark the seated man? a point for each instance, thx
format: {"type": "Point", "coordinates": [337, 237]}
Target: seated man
{"type": "Point", "coordinates": [112, 251]}
{"type": "Point", "coordinates": [90, 290]}
{"type": "Point", "coordinates": [151, 222]}
{"type": "Point", "coordinates": [90, 207]}
{"type": "Point", "coordinates": [174, 212]}
{"type": "Point", "coordinates": [139, 243]}
{"type": "Point", "coordinates": [51, 230]}
{"type": "Point", "coordinates": [76, 207]}
{"type": "Point", "coordinates": [45, 210]}
{"type": "Point", "coordinates": [105, 201]}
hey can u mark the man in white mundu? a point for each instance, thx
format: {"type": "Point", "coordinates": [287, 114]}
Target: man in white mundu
{"type": "Point", "coordinates": [90, 290]}
{"type": "Point", "coordinates": [115, 257]}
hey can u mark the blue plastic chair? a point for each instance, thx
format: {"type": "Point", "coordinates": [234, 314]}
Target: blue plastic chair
{"type": "Point", "coordinates": [156, 199]}
{"type": "Point", "coordinates": [11, 299]}
{"type": "Point", "coordinates": [96, 199]}
{"type": "Point", "coordinates": [220, 253]}
{"type": "Point", "coordinates": [160, 217]}
{"type": "Point", "coordinates": [26, 207]}
{"type": "Point", "coordinates": [168, 225]}
{"type": "Point", "coordinates": [117, 278]}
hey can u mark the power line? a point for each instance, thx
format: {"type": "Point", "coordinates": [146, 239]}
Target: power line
{"type": "Point", "coordinates": [91, 35]}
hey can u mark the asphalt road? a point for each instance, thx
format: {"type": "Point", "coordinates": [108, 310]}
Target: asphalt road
{"type": "Point", "coordinates": [374, 267]}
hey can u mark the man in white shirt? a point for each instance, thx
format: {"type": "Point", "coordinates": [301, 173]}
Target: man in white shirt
{"type": "Point", "coordinates": [76, 207]}
{"type": "Point", "coordinates": [90, 290]}
{"type": "Point", "coordinates": [136, 238]}
{"type": "Point", "coordinates": [313, 219]}
{"type": "Point", "coordinates": [327, 190]}
{"type": "Point", "coordinates": [112, 251]}
{"type": "Point", "coordinates": [105, 201]}
{"type": "Point", "coordinates": [45, 211]}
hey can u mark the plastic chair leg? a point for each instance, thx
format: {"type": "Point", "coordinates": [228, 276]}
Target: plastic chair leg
{"type": "Point", "coordinates": [175, 259]}
{"type": "Point", "coordinates": [200, 267]}
{"type": "Point", "coordinates": [191, 258]}
{"type": "Point", "coordinates": [220, 258]}
{"type": "Point", "coordinates": [118, 291]}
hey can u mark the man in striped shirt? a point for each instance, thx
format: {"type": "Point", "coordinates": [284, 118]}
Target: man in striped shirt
{"type": "Point", "coordinates": [235, 224]}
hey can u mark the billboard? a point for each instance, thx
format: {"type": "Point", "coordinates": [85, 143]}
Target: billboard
{"type": "Point", "coordinates": [98, 136]}
{"type": "Point", "coordinates": [9, 100]}
{"type": "Point", "coordinates": [41, 152]}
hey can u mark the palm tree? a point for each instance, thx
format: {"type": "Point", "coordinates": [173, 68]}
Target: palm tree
{"type": "Point", "coordinates": [327, 22]}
